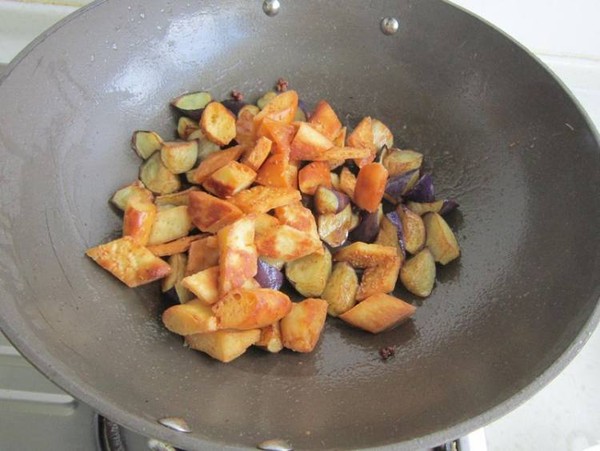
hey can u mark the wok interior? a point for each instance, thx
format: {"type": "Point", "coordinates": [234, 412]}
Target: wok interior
{"type": "Point", "coordinates": [497, 131]}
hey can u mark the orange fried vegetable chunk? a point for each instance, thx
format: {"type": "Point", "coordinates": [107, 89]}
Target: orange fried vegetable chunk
{"type": "Point", "coordinates": [203, 254]}
{"type": "Point", "coordinates": [274, 171]}
{"type": "Point", "coordinates": [261, 199]}
{"type": "Point", "coordinates": [138, 219]}
{"type": "Point", "coordinates": [128, 261]}
{"type": "Point", "coordinates": [209, 213]}
{"type": "Point", "coordinates": [270, 338]}
{"type": "Point", "coordinates": [218, 123]}
{"type": "Point", "coordinates": [238, 256]}
{"type": "Point", "coordinates": [224, 345]}
{"type": "Point", "coordinates": [362, 137]}
{"type": "Point", "coordinates": [297, 216]}
{"type": "Point", "coordinates": [309, 144]}
{"type": "Point", "coordinates": [370, 186]}
{"type": "Point", "coordinates": [193, 317]}
{"type": "Point", "coordinates": [174, 247]}
{"type": "Point", "coordinates": [256, 156]}
{"type": "Point", "coordinates": [204, 284]}
{"type": "Point", "coordinates": [251, 309]}
{"type": "Point", "coordinates": [214, 162]}
{"type": "Point", "coordinates": [325, 120]}
{"type": "Point", "coordinates": [230, 179]}
{"type": "Point", "coordinates": [281, 108]}
{"type": "Point", "coordinates": [301, 328]}
{"type": "Point", "coordinates": [313, 175]}
{"type": "Point", "coordinates": [286, 243]}
{"type": "Point", "coordinates": [378, 312]}
{"type": "Point", "coordinates": [280, 133]}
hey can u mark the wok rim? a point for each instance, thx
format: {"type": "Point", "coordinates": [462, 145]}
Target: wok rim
{"type": "Point", "coordinates": [60, 374]}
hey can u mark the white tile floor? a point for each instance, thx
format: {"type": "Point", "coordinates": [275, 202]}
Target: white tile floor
{"type": "Point", "coordinates": [565, 35]}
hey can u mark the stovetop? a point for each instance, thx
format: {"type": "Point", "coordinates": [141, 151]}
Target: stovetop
{"type": "Point", "coordinates": [565, 415]}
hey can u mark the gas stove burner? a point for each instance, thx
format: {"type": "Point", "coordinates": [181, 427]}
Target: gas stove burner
{"type": "Point", "coordinates": [112, 437]}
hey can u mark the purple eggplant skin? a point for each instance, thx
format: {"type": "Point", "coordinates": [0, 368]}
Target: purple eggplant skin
{"type": "Point", "coordinates": [328, 200]}
{"type": "Point", "coordinates": [422, 191]}
{"type": "Point", "coordinates": [302, 106]}
{"type": "Point", "coordinates": [234, 105]}
{"type": "Point", "coordinates": [268, 276]}
{"type": "Point", "coordinates": [396, 185]}
{"type": "Point", "coordinates": [448, 206]}
{"type": "Point", "coordinates": [368, 227]}
{"type": "Point", "coordinates": [395, 219]}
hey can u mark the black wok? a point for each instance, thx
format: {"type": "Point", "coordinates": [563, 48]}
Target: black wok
{"type": "Point", "coordinates": [500, 133]}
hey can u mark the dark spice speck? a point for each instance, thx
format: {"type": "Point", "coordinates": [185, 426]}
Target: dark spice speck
{"type": "Point", "coordinates": [282, 85]}
{"type": "Point", "coordinates": [237, 95]}
{"type": "Point", "coordinates": [387, 352]}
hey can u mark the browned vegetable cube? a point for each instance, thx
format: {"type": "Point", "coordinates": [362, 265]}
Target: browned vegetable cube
{"type": "Point", "coordinates": [421, 208]}
{"type": "Point", "coordinates": [218, 123]}
{"type": "Point", "coordinates": [175, 199]}
{"type": "Point", "coordinates": [418, 273]}
{"type": "Point", "coordinates": [229, 180]}
{"type": "Point", "coordinates": [325, 121]}
{"type": "Point", "coordinates": [237, 254]}
{"type": "Point", "coordinates": [136, 190]}
{"type": "Point", "coordinates": [334, 227]}
{"type": "Point", "coordinates": [313, 175]}
{"type": "Point", "coordinates": [379, 279]}
{"type": "Point", "coordinates": [413, 230]}
{"type": "Point", "coordinates": [440, 239]}
{"type": "Point", "coordinates": [193, 317]}
{"type": "Point", "coordinates": [362, 138]}
{"type": "Point", "coordinates": [261, 199]}
{"type": "Point", "coordinates": [174, 247]}
{"type": "Point", "coordinates": [215, 161]}
{"type": "Point", "coordinates": [203, 254]}
{"type": "Point", "coordinates": [286, 243]}
{"type": "Point", "coordinates": [281, 108]}
{"type": "Point", "coordinates": [256, 156]}
{"type": "Point", "coordinates": [204, 285]}
{"type": "Point", "coordinates": [270, 338]}
{"type": "Point", "coordinates": [309, 144]}
{"type": "Point", "coordinates": [382, 136]}
{"type": "Point", "coordinates": [145, 143]}
{"type": "Point", "coordinates": [301, 327]}
{"type": "Point", "coordinates": [209, 213]}
{"type": "Point", "coordinates": [309, 274]}
{"type": "Point", "coordinates": [297, 216]}
{"type": "Point", "coordinates": [224, 345]}
{"type": "Point", "coordinates": [347, 182]}
{"type": "Point", "coordinates": [138, 220]}
{"type": "Point", "coordinates": [251, 309]}
{"type": "Point", "coordinates": [171, 286]}
{"type": "Point", "coordinates": [378, 312]}
{"type": "Point", "coordinates": [340, 290]}
{"type": "Point", "coordinates": [399, 161]}
{"type": "Point", "coordinates": [157, 178]}
{"type": "Point", "coordinates": [186, 126]}
{"type": "Point", "coordinates": [179, 156]}
{"type": "Point", "coordinates": [170, 224]}
{"type": "Point", "coordinates": [363, 255]}
{"type": "Point", "coordinates": [129, 261]}
{"type": "Point", "coordinates": [388, 235]}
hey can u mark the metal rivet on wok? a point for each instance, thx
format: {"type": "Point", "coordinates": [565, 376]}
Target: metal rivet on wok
{"type": "Point", "coordinates": [389, 25]}
{"type": "Point", "coordinates": [176, 423]}
{"type": "Point", "coordinates": [275, 445]}
{"type": "Point", "coordinates": [271, 7]}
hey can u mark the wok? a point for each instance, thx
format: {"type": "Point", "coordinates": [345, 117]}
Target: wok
{"type": "Point", "coordinates": [500, 133]}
